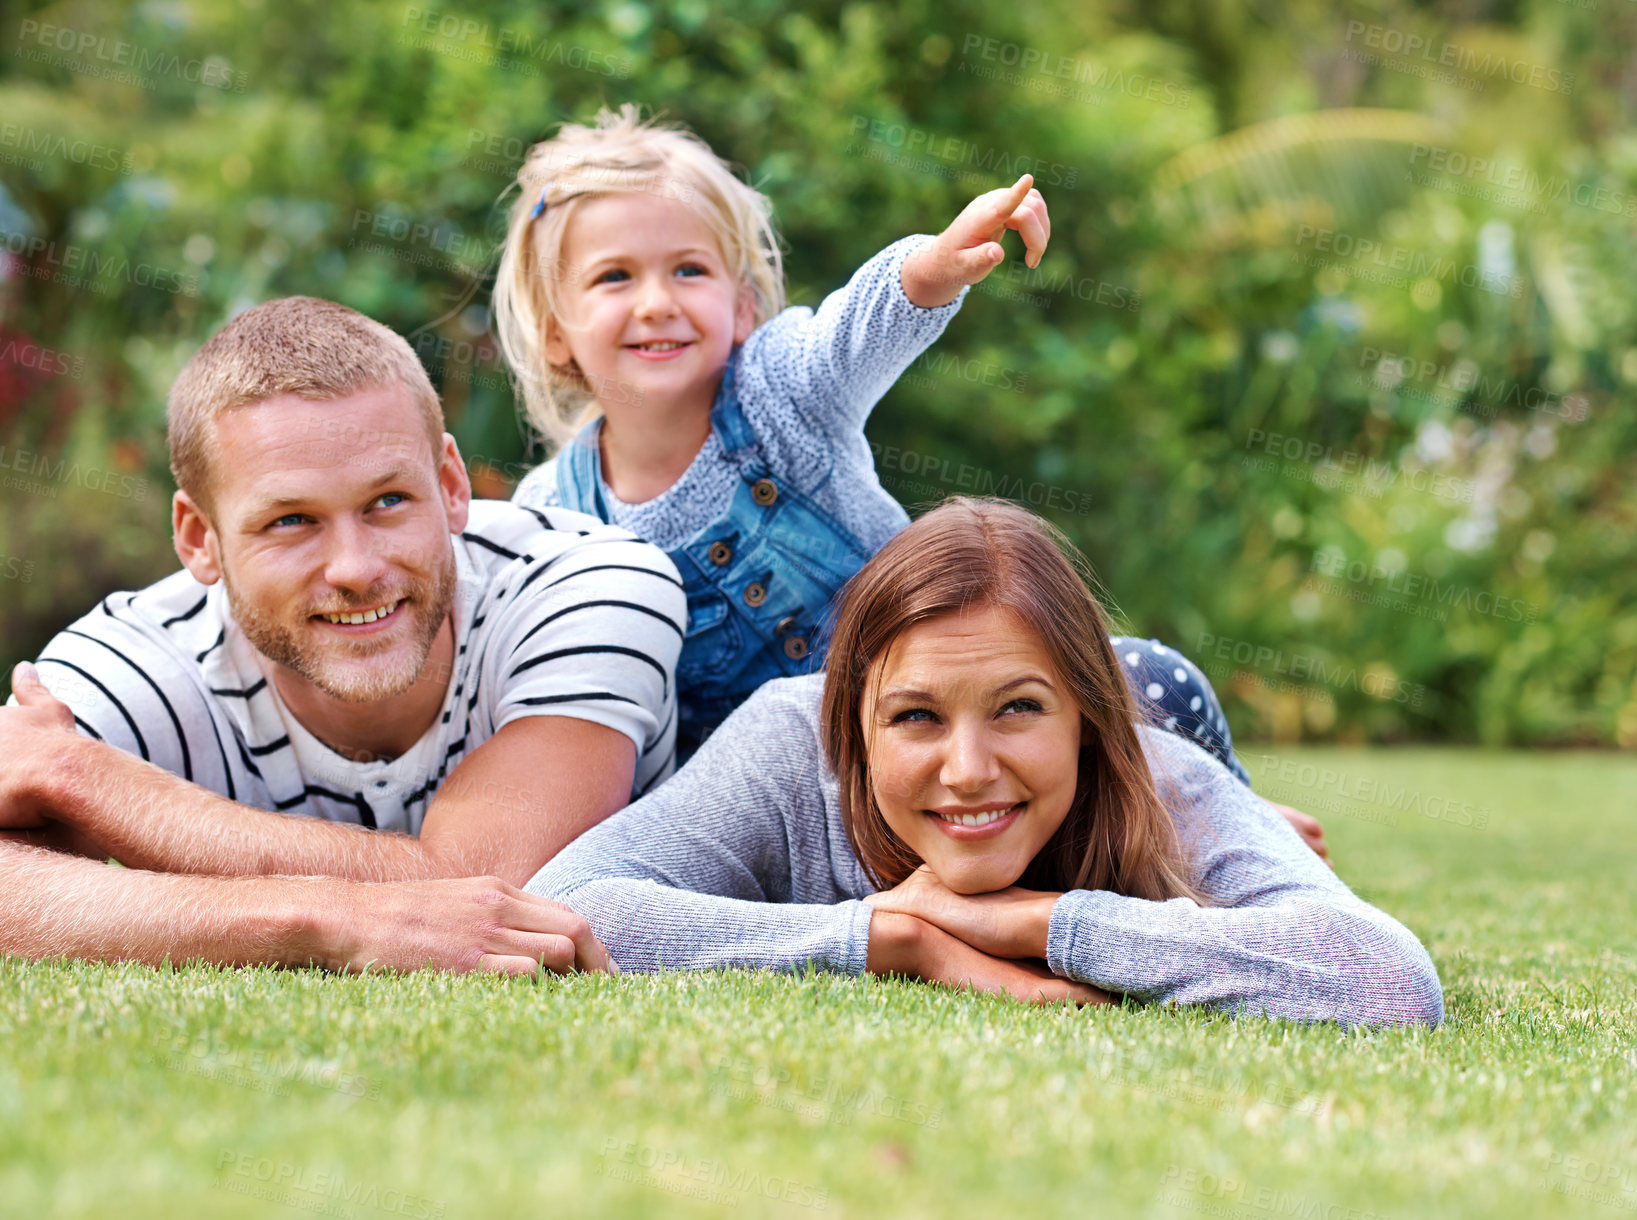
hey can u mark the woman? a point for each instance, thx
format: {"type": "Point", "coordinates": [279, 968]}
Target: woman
{"type": "Point", "coordinates": [966, 796]}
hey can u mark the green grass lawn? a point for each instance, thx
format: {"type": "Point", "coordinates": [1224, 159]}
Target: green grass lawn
{"type": "Point", "coordinates": [132, 1092]}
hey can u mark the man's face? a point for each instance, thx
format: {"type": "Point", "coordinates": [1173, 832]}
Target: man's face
{"type": "Point", "coordinates": [330, 530]}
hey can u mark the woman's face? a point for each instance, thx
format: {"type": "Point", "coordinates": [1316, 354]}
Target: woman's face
{"type": "Point", "coordinates": [973, 745]}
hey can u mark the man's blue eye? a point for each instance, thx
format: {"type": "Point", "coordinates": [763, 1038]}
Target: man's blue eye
{"type": "Point", "coordinates": [391, 498]}
{"type": "Point", "coordinates": [291, 519]}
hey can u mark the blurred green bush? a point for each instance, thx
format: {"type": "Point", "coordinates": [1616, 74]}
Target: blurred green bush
{"type": "Point", "coordinates": [1328, 367]}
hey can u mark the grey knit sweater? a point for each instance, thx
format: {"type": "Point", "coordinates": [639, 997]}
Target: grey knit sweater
{"type": "Point", "coordinates": [741, 860]}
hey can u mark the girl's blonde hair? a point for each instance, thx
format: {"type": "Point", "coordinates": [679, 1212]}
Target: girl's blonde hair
{"type": "Point", "coordinates": [619, 154]}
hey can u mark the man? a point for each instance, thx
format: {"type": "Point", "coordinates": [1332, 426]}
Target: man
{"type": "Point", "coordinates": [361, 675]}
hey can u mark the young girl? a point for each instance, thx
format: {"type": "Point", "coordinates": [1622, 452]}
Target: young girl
{"type": "Point", "coordinates": [640, 304]}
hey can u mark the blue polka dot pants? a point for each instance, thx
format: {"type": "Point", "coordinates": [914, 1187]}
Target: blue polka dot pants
{"type": "Point", "coordinates": [1173, 694]}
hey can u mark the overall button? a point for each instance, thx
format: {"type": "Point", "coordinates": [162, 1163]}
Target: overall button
{"type": "Point", "coordinates": [764, 492]}
{"type": "Point", "coordinates": [719, 554]}
{"type": "Point", "coordinates": [755, 594]}
{"type": "Point", "coordinates": [786, 624]}
{"type": "Point", "coordinates": [796, 647]}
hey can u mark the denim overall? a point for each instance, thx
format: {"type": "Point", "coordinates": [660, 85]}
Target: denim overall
{"type": "Point", "coordinates": [759, 578]}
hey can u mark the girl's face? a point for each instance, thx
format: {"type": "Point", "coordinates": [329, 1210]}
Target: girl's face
{"type": "Point", "coordinates": [973, 745]}
{"type": "Point", "coordinates": [649, 311]}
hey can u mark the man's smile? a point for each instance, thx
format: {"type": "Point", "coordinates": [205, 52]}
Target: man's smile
{"type": "Point", "coordinates": [355, 618]}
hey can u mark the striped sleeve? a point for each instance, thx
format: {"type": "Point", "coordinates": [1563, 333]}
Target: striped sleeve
{"type": "Point", "coordinates": [132, 690]}
{"type": "Point", "coordinates": [538, 488]}
{"type": "Point", "coordinates": [592, 630]}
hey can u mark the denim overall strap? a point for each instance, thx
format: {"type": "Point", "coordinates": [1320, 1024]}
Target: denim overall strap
{"type": "Point", "coordinates": [760, 578]}
{"type": "Point", "coordinates": [733, 430]}
{"type": "Point", "coordinates": [580, 474]}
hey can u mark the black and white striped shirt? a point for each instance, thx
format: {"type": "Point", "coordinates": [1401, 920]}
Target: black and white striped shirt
{"type": "Point", "coordinates": [555, 614]}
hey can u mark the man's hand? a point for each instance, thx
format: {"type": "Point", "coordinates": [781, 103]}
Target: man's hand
{"type": "Point", "coordinates": [903, 944]}
{"type": "Point", "coordinates": [468, 923]}
{"type": "Point", "coordinates": [1009, 923]}
{"type": "Point", "coordinates": [970, 248]}
{"type": "Point", "coordinates": [1308, 827]}
{"type": "Point", "coordinates": [30, 733]}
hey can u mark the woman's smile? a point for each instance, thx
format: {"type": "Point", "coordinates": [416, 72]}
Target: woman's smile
{"type": "Point", "coordinates": [972, 824]}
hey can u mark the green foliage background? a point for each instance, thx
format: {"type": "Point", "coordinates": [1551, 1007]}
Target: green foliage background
{"type": "Point", "coordinates": [1202, 314]}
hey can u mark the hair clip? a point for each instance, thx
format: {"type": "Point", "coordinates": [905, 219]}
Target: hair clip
{"type": "Point", "coordinates": [541, 206]}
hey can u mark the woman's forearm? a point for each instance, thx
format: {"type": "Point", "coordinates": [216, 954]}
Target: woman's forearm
{"type": "Point", "coordinates": [1308, 958]}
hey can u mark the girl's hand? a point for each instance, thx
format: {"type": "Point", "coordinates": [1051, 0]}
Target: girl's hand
{"type": "Point", "coordinates": [970, 248]}
{"type": "Point", "coordinates": [904, 945]}
{"type": "Point", "coordinates": [1009, 923]}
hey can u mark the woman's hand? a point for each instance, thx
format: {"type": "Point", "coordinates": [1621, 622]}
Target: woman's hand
{"type": "Point", "coordinates": [1009, 923]}
{"type": "Point", "coordinates": [1308, 827]}
{"type": "Point", "coordinates": [905, 945]}
{"type": "Point", "coordinates": [970, 248]}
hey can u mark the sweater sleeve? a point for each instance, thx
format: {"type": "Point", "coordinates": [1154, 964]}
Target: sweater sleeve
{"type": "Point", "coordinates": [729, 863]}
{"type": "Point", "coordinates": [1283, 935]}
{"type": "Point", "coordinates": [538, 488]}
{"type": "Point", "coordinates": [834, 364]}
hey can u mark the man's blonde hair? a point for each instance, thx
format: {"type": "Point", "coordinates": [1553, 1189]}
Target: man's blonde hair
{"type": "Point", "coordinates": [621, 154]}
{"type": "Point", "coordinates": [315, 349]}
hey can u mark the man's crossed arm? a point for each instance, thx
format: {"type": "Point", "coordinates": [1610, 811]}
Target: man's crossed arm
{"type": "Point", "coordinates": [59, 905]}
{"type": "Point", "coordinates": [286, 889]}
{"type": "Point", "coordinates": [560, 775]}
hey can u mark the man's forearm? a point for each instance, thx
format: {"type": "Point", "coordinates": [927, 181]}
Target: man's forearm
{"type": "Point", "coordinates": [147, 818]}
{"type": "Point", "coordinates": [53, 905]}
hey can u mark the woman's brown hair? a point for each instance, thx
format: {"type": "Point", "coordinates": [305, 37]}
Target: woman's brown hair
{"type": "Point", "coordinates": [974, 553]}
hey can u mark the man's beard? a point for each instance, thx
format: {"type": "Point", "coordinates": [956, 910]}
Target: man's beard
{"type": "Point", "coordinates": [326, 668]}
